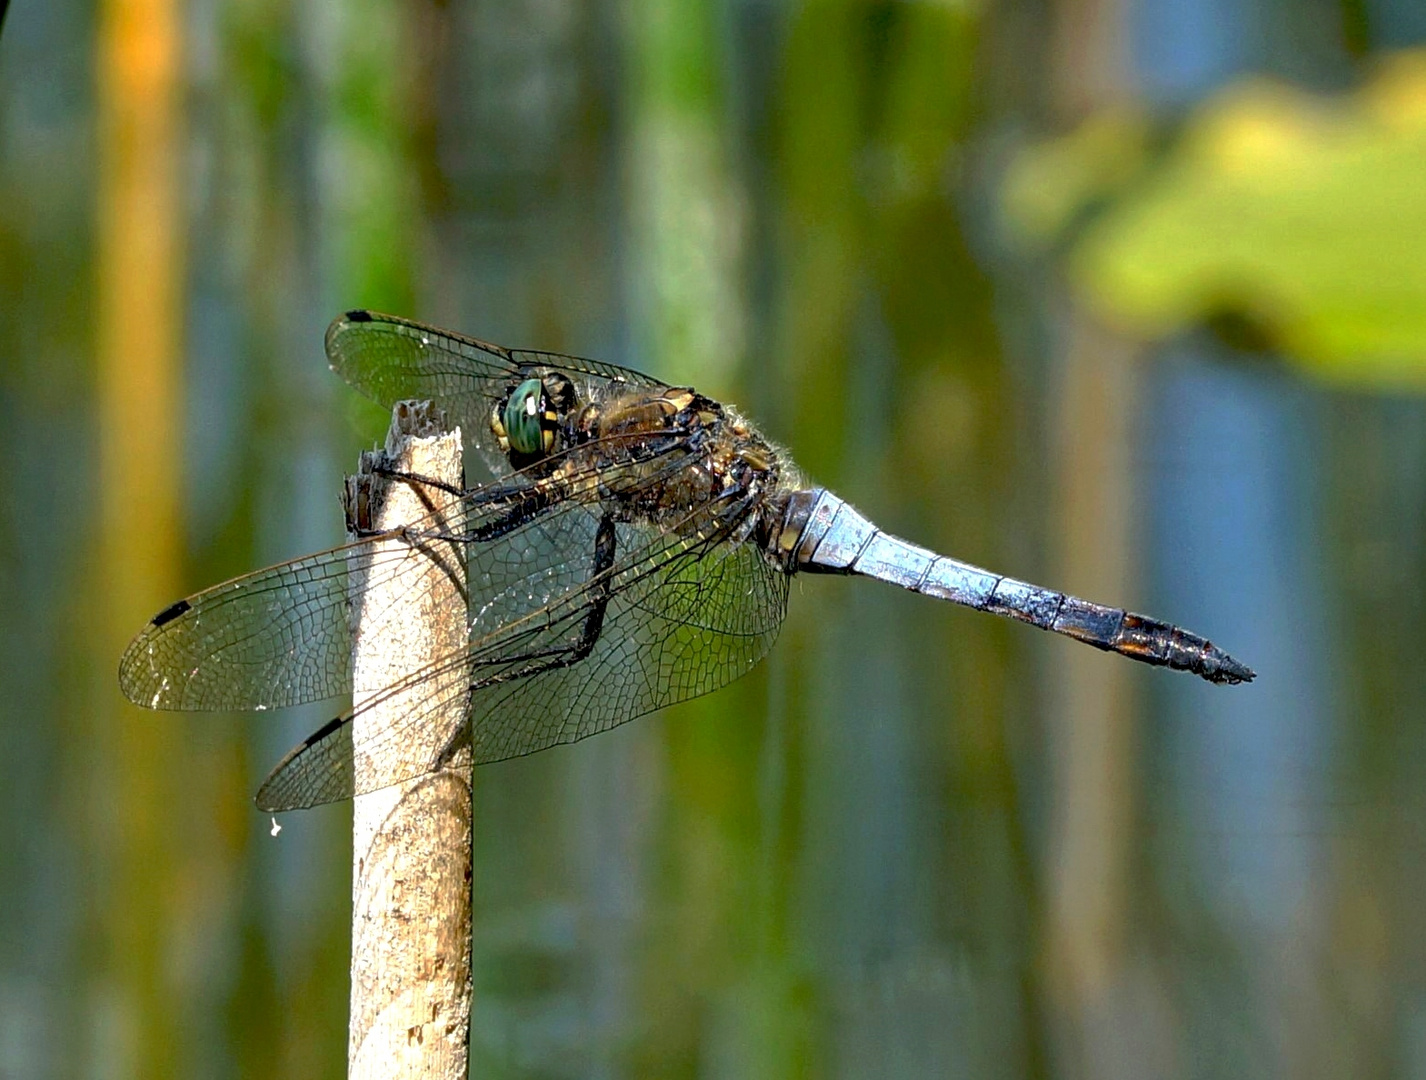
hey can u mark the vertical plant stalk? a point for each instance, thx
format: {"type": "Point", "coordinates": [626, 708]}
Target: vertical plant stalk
{"type": "Point", "coordinates": [1093, 729]}
{"type": "Point", "coordinates": [137, 340]}
{"type": "Point", "coordinates": [411, 850]}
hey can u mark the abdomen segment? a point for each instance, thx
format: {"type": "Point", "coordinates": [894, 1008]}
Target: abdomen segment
{"type": "Point", "coordinates": [822, 533]}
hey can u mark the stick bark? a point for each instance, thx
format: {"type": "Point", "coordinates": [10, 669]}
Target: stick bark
{"type": "Point", "coordinates": [411, 842]}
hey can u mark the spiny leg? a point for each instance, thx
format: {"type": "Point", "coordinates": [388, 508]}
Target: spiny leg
{"type": "Point", "coordinates": [417, 479]}
{"type": "Point", "coordinates": [539, 661]}
{"type": "Point", "coordinates": [358, 511]}
{"type": "Point", "coordinates": [524, 503]}
{"type": "Point", "coordinates": [601, 582]}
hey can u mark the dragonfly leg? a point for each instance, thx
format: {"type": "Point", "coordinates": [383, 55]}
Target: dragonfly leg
{"type": "Point", "coordinates": [524, 503]}
{"type": "Point", "coordinates": [601, 582]}
{"type": "Point", "coordinates": [531, 503]}
{"type": "Point", "coordinates": [417, 480]}
{"type": "Point", "coordinates": [538, 661]}
{"type": "Point", "coordinates": [359, 509]}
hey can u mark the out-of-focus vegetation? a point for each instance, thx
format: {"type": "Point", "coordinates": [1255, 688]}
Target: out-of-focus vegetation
{"type": "Point", "coordinates": [959, 258]}
{"type": "Point", "coordinates": [1297, 218]}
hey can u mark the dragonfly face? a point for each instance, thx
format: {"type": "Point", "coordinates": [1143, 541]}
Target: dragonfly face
{"type": "Point", "coordinates": [633, 551]}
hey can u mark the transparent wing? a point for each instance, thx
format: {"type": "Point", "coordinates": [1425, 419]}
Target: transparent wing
{"type": "Point", "coordinates": [281, 636]}
{"type": "Point", "coordinates": [682, 616]}
{"type": "Point", "coordinates": [390, 359]}
{"type": "Point", "coordinates": [275, 637]}
{"type": "Point", "coordinates": [685, 618]}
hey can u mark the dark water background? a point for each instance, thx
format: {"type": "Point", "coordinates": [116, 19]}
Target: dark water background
{"type": "Point", "coordinates": [917, 841]}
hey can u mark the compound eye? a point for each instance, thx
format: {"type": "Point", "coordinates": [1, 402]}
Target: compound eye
{"type": "Point", "coordinates": [523, 418]}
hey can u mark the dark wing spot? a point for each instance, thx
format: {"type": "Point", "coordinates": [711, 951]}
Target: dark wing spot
{"type": "Point", "coordinates": [318, 735]}
{"type": "Point", "coordinates": [168, 614]}
{"type": "Point", "coordinates": [358, 316]}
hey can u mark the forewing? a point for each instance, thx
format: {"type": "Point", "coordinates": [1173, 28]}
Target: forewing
{"type": "Point", "coordinates": [390, 359]}
{"type": "Point", "coordinates": [271, 638]}
{"type": "Point", "coordinates": [281, 636]}
{"type": "Point", "coordinates": [685, 616]}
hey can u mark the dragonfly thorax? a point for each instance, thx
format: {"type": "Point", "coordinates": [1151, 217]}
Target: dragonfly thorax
{"type": "Point", "coordinates": [670, 457]}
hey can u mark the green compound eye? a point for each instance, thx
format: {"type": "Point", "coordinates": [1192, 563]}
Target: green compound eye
{"type": "Point", "coordinates": [523, 416]}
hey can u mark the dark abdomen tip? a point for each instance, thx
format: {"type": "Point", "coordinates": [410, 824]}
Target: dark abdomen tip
{"type": "Point", "coordinates": [1223, 669]}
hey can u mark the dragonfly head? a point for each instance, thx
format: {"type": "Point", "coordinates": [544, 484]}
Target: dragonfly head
{"type": "Point", "coordinates": [527, 423]}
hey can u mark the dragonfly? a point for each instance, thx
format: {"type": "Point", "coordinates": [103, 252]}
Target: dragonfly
{"type": "Point", "coordinates": [634, 550]}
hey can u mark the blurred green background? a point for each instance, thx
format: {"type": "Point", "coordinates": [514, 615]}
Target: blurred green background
{"type": "Point", "coordinates": [1128, 299]}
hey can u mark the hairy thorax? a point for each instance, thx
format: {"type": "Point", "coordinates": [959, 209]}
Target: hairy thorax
{"type": "Point", "coordinates": [670, 457]}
